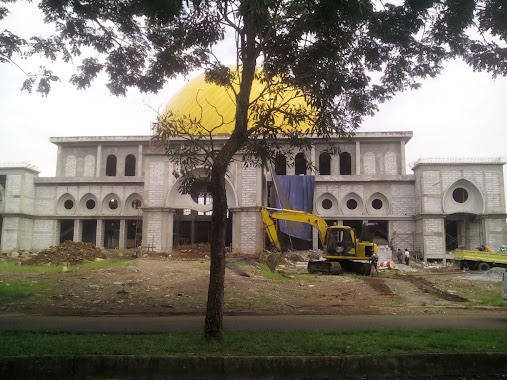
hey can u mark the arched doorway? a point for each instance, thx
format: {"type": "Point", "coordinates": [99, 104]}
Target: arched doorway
{"type": "Point", "coordinates": [463, 230]}
{"type": "Point", "coordinates": [463, 205]}
{"type": "Point", "coordinates": [192, 219]}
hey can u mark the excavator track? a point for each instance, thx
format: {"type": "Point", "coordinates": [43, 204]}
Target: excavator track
{"type": "Point", "coordinates": [337, 267]}
{"type": "Point", "coordinates": [325, 267]}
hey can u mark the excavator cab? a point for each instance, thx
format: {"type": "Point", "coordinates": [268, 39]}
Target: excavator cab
{"type": "Point", "coordinates": [340, 241]}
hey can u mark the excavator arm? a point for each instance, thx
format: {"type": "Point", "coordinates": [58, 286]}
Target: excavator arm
{"type": "Point", "coordinates": [341, 252]}
{"type": "Point", "coordinates": [270, 215]}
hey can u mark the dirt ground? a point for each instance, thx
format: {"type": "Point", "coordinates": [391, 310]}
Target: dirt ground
{"type": "Point", "coordinates": [160, 284]}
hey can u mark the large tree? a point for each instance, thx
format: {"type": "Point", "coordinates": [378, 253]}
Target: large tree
{"type": "Point", "coordinates": [325, 64]}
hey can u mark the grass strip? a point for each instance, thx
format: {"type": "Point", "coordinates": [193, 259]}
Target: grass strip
{"type": "Point", "coordinates": [17, 343]}
{"type": "Point", "coordinates": [15, 267]}
{"type": "Point", "coordinates": [15, 290]}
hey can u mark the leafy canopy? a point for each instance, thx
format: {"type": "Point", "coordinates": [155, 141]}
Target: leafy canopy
{"type": "Point", "coordinates": [341, 57]}
{"type": "Point", "coordinates": [330, 49]}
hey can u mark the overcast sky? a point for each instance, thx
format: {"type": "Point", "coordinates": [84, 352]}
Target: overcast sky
{"type": "Point", "coordinates": [458, 114]}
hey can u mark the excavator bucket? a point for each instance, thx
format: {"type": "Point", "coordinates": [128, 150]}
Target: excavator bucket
{"type": "Point", "coordinates": [271, 259]}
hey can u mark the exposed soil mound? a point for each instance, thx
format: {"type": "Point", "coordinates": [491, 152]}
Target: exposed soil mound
{"type": "Point", "coordinates": [378, 284]}
{"type": "Point", "coordinates": [70, 253]}
{"type": "Point", "coordinates": [195, 251]}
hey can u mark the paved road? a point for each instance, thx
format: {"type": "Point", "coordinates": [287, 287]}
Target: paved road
{"type": "Point", "coordinates": [489, 320]}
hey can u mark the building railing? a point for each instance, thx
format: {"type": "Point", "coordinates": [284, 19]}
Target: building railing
{"type": "Point", "coordinates": [25, 165]}
{"type": "Point", "coordinates": [459, 160]}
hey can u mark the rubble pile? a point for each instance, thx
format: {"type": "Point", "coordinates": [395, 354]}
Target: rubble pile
{"type": "Point", "coordinates": [196, 251]}
{"type": "Point", "coordinates": [493, 275]}
{"type": "Point", "coordinates": [67, 253]}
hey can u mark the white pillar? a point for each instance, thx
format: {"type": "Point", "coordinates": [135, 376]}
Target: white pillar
{"type": "Point", "coordinates": [98, 161]}
{"type": "Point", "coordinates": [123, 235]}
{"type": "Point", "coordinates": [59, 163]}
{"type": "Point", "coordinates": [312, 158]}
{"type": "Point", "coordinates": [403, 159]}
{"type": "Point", "coordinates": [99, 240]}
{"type": "Point", "coordinates": [358, 158]}
{"type": "Point", "coordinates": [78, 230]}
{"type": "Point", "coordinates": [139, 161]}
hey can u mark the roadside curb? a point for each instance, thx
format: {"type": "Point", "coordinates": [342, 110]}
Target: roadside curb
{"type": "Point", "coordinates": [413, 366]}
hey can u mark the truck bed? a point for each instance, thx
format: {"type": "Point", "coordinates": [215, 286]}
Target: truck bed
{"type": "Point", "coordinates": [480, 256]}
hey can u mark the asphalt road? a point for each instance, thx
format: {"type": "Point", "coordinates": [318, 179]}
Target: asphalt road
{"type": "Point", "coordinates": [155, 324]}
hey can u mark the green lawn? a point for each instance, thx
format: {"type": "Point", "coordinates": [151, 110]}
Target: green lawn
{"type": "Point", "coordinates": [16, 343]}
{"type": "Point", "coordinates": [15, 290]}
{"type": "Point", "coordinates": [18, 289]}
{"type": "Point", "coordinates": [13, 267]}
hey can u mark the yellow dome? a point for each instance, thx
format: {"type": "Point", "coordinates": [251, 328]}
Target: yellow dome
{"type": "Point", "coordinates": [215, 106]}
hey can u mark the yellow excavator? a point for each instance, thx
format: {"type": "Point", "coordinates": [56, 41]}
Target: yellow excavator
{"type": "Point", "coordinates": [342, 250]}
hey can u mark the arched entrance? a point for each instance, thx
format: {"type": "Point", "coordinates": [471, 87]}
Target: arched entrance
{"type": "Point", "coordinates": [463, 205]}
{"type": "Point", "coordinates": [463, 230]}
{"type": "Point", "coordinates": [192, 219]}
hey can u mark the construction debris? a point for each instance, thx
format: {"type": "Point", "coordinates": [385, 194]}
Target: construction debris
{"type": "Point", "coordinates": [67, 253]}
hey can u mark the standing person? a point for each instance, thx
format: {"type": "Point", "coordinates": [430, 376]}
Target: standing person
{"type": "Point", "coordinates": [407, 256]}
{"type": "Point", "coordinates": [399, 256]}
{"type": "Point", "coordinates": [374, 263]}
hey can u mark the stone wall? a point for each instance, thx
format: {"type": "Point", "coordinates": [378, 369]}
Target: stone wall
{"type": "Point", "coordinates": [45, 233]}
{"type": "Point", "coordinates": [433, 238]}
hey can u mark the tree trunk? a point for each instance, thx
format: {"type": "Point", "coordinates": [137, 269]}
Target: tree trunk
{"type": "Point", "coordinates": [213, 325]}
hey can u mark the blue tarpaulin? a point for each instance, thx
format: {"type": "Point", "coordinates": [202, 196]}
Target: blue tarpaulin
{"type": "Point", "coordinates": [298, 190]}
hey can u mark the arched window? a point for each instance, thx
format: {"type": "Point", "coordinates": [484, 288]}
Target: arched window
{"type": "Point", "coordinates": [369, 163]}
{"type": "Point", "coordinates": [325, 163]}
{"type": "Point", "coordinates": [280, 164]}
{"type": "Point", "coordinates": [300, 164]}
{"type": "Point", "coordinates": [130, 165]}
{"type": "Point", "coordinates": [70, 166]}
{"type": "Point", "coordinates": [345, 164]}
{"type": "Point", "coordinates": [89, 166]}
{"type": "Point", "coordinates": [111, 165]}
{"type": "Point", "coordinates": [390, 163]}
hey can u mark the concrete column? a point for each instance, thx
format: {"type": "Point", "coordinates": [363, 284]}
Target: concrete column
{"type": "Point", "coordinates": [169, 241]}
{"type": "Point", "coordinates": [139, 161]}
{"type": "Point", "coordinates": [291, 169]}
{"type": "Point", "coordinates": [484, 231]}
{"type": "Point", "coordinates": [99, 240]}
{"type": "Point", "coordinates": [78, 230]}
{"type": "Point", "coordinates": [56, 232]}
{"type": "Point", "coordinates": [335, 164]}
{"type": "Point", "coordinates": [236, 233]}
{"type": "Point", "coordinates": [315, 239]}
{"type": "Point", "coordinates": [358, 158]}
{"type": "Point", "coordinates": [98, 161]}
{"type": "Point", "coordinates": [247, 231]}
{"type": "Point", "coordinates": [259, 186]}
{"type": "Point", "coordinates": [402, 157]}
{"type": "Point", "coordinates": [59, 162]}
{"type": "Point", "coordinates": [444, 253]}
{"type": "Point", "coordinates": [123, 235]}
{"type": "Point", "coordinates": [312, 158]}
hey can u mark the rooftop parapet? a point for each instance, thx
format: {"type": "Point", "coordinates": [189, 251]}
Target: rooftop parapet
{"type": "Point", "coordinates": [19, 165]}
{"type": "Point", "coordinates": [459, 161]}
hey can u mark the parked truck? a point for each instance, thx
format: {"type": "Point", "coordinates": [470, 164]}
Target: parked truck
{"type": "Point", "coordinates": [479, 259]}
{"type": "Point", "coordinates": [342, 249]}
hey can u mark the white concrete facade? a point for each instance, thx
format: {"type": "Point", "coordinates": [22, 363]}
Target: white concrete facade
{"type": "Point", "coordinates": [122, 192]}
